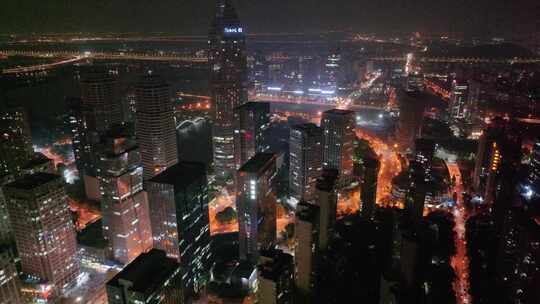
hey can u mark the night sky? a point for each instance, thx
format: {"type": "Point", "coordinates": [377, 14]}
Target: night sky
{"type": "Point", "coordinates": [493, 17]}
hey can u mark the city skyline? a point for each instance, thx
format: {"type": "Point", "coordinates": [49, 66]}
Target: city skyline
{"type": "Point", "coordinates": [220, 152]}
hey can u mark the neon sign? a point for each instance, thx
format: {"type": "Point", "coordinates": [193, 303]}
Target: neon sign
{"type": "Point", "coordinates": [233, 30]}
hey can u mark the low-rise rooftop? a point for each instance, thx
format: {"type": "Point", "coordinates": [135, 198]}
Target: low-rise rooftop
{"type": "Point", "coordinates": [29, 182]}
{"type": "Point", "coordinates": [181, 174]}
{"type": "Point", "coordinates": [147, 273]}
{"type": "Point", "coordinates": [257, 162]}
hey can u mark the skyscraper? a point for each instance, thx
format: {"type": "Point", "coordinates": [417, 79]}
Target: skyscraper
{"type": "Point", "coordinates": [98, 109]}
{"type": "Point", "coordinates": [44, 232]}
{"type": "Point", "coordinates": [5, 227]}
{"type": "Point", "coordinates": [15, 140]}
{"type": "Point", "coordinates": [368, 189]}
{"type": "Point", "coordinates": [251, 120]}
{"type": "Point", "coordinates": [124, 204]}
{"type": "Point", "coordinates": [256, 203]}
{"type": "Point", "coordinates": [39, 163]}
{"type": "Point", "coordinates": [276, 277]}
{"type": "Point", "coordinates": [332, 74]}
{"type": "Point", "coordinates": [228, 82]}
{"type": "Point", "coordinates": [155, 125]}
{"type": "Point", "coordinates": [502, 176]}
{"type": "Point", "coordinates": [152, 278]}
{"type": "Point", "coordinates": [327, 201]}
{"type": "Point", "coordinates": [534, 172]}
{"type": "Point", "coordinates": [100, 100]}
{"type": "Point", "coordinates": [485, 154]}
{"type": "Point", "coordinates": [338, 137]}
{"type": "Point", "coordinates": [260, 71]}
{"type": "Point", "coordinates": [180, 224]}
{"type": "Point", "coordinates": [10, 285]}
{"type": "Point", "coordinates": [458, 100]}
{"type": "Point", "coordinates": [416, 194]}
{"type": "Point", "coordinates": [75, 122]}
{"type": "Point", "coordinates": [305, 162]}
{"type": "Point", "coordinates": [424, 151]}
{"type": "Point", "coordinates": [306, 250]}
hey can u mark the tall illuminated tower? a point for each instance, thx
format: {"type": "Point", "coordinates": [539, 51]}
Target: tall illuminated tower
{"type": "Point", "coordinates": [180, 224]}
{"type": "Point", "coordinates": [15, 141]}
{"type": "Point", "coordinates": [124, 204]}
{"type": "Point", "coordinates": [256, 203]}
{"type": "Point", "coordinates": [251, 120]}
{"type": "Point", "coordinates": [90, 116]}
{"type": "Point", "coordinates": [44, 233]}
{"type": "Point", "coordinates": [305, 161]}
{"type": "Point", "coordinates": [228, 81]}
{"type": "Point", "coordinates": [338, 138]}
{"type": "Point", "coordinates": [155, 125]}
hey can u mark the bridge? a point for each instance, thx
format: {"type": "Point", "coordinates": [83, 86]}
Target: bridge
{"type": "Point", "coordinates": [74, 56]}
{"type": "Point", "coordinates": [42, 67]}
{"type": "Point", "coordinates": [467, 60]}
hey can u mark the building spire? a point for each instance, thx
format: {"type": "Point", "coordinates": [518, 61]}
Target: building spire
{"type": "Point", "coordinates": [226, 13]}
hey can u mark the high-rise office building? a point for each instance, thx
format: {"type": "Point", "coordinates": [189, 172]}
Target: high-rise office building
{"type": "Point", "coordinates": [256, 204]}
{"type": "Point", "coordinates": [502, 177]}
{"type": "Point", "coordinates": [10, 286]}
{"type": "Point", "coordinates": [327, 197]}
{"type": "Point", "coordinates": [152, 278]}
{"type": "Point", "coordinates": [416, 194]}
{"type": "Point", "coordinates": [276, 277]}
{"type": "Point", "coordinates": [260, 71]}
{"type": "Point", "coordinates": [180, 223]}
{"type": "Point", "coordinates": [100, 100]}
{"type": "Point", "coordinates": [332, 75]}
{"type": "Point", "coordinates": [5, 227]}
{"type": "Point", "coordinates": [368, 188]}
{"type": "Point", "coordinates": [424, 151]}
{"type": "Point", "coordinates": [474, 93]}
{"type": "Point", "coordinates": [43, 229]}
{"type": "Point", "coordinates": [39, 163]}
{"type": "Point", "coordinates": [459, 100]}
{"type": "Point", "coordinates": [97, 110]}
{"type": "Point", "coordinates": [251, 120]}
{"type": "Point", "coordinates": [75, 122]}
{"type": "Point", "coordinates": [534, 171]}
{"type": "Point", "coordinates": [15, 140]}
{"type": "Point", "coordinates": [306, 249]}
{"type": "Point", "coordinates": [488, 152]}
{"type": "Point", "coordinates": [124, 204]}
{"type": "Point", "coordinates": [338, 141]}
{"type": "Point", "coordinates": [228, 82]}
{"type": "Point", "coordinates": [414, 82]}
{"type": "Point", "coordinates": [410, 120]}
{"type": "Point", "coordinates": [518, 255]}
{"type": "Point", "coordinates": [155, 125]}
{"type": "Point", "coordinates": [305, 161]}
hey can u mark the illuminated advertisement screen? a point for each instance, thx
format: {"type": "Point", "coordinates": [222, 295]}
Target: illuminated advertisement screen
{"type": "Point", "coordinates": [233, 31]}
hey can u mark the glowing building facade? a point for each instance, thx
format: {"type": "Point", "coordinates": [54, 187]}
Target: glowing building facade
{"type": "Point", "coordinates": [43, 229]}
{"type": "Point", "coordinates": [180, 223]}
{"type": "Point", "coordinates": [305, 161]}
{"type": "Point", "coordinates": [124, 204]}
{"type": "Point", "coordinates": [256, 203]}
{"type": "Point", "coordinates": [338, 141]}
{"type": "Point", "coordinates": [251, 120]}
{"type": "Point", "coordinates": [228, 82]}
{"type": "Point", "coordinates": [155, 125]}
